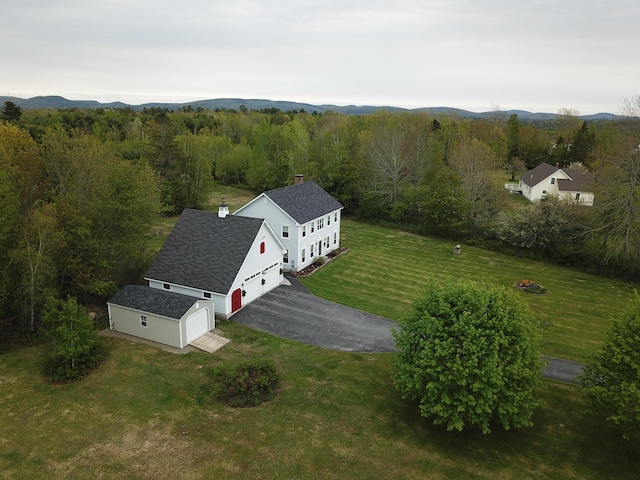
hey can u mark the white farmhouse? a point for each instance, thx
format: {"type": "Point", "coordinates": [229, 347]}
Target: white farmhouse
{"type": "Point", "coordinates": [547, 180]}
{"type": "Point", "coordinates": [305, 218]}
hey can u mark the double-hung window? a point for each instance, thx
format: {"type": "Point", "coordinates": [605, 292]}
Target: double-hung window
{"type": "Point", "coordinates": [285, 231]}
{"type": "Point", "coordinates": [143, 321]}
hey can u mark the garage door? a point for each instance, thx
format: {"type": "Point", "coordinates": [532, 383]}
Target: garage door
{"type": "Point", "coordinates": [197, 324]}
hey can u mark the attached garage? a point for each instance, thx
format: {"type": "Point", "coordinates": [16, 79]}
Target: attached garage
{"type": "Point", "coordinates": [160, 316]}
{"type": "Point", "coordinates": [230, 260]}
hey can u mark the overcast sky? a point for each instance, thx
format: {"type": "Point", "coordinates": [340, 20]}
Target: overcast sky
{"type": "Point", "coordinates": [536, 55]}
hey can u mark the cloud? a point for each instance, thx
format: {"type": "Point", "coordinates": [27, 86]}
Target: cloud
{"type": "Point", "coordinates": [531, 54]}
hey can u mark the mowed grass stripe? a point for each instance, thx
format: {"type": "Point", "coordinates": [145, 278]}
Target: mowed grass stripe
{"type": "Point", "coordinates": [385, 270]}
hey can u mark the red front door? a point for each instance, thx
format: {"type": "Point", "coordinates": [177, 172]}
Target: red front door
{"type": "Point", "coordinates": [236, 300]}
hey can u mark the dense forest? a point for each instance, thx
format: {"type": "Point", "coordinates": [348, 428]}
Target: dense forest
{"type": "Point", "coordinates": [80, 189]}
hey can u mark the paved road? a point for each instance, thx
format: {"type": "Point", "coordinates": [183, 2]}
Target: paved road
{"type": "Point", "coordinates": [562, 370]}
{"type": "Point", "coordinates": [291, 311]}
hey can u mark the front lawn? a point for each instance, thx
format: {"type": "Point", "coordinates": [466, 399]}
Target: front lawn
{"type": "Point", "coordinates": [144, 415]}
{"type": "Point", "coordinates": [385, 269]}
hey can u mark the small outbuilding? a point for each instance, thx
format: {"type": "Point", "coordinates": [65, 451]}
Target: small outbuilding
{"type": "Point", "coordinates": [165, 317]}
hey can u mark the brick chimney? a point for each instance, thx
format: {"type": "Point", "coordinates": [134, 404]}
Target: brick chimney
{"type": "Point", "coordinates": [298, 179]}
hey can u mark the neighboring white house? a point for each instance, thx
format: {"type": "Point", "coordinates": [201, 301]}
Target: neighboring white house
{"type": "Point", "coordinates": [227, 259]}
{"type": "Point", "coordinates": [547, 180]}
{"type": "Point", "coordinates": [305, 218]}
{"type": "Point", "coordinates": [164, 317]}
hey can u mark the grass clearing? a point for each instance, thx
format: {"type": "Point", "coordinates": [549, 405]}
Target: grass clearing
{"type": "Point", "coordinates": [386, 269]}
{"type": "Point", "coordinates": [144, 415]}
{"type": "Point", "coordinates": [337, 415]}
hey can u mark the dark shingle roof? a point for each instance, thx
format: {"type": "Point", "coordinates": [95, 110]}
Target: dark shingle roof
{"type": "Point", "coordinates": [153, 300]}
{"type": "Point", "coordinates": [204, 251]}
{"type": "Point", "coordinates": [539, 173]}
{"type": "Point", "coordinates": [304, 202]}
{"type": "Point", "coordinates": [580, 182]}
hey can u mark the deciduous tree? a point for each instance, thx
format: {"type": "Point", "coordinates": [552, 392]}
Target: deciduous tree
{"type": "Point", "coordinates": [469, 354]}
{"type": "Point", "coordinates": [473, 161]}
{"type": "Point", "coordinates": [611, 376]}
{"type": "Point", "coordinates": [75, 347]}
{"type": "Point", "coordinates": [617, 192]}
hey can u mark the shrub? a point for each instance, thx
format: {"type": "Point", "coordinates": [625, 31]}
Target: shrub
{"type": "Point", "coordinates": [318, 262]}
{"type": "Point", "coordinates": [245, 384]}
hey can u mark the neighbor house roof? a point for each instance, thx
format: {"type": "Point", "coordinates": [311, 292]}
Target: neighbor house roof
{"type": "Point", "coordinates": [204, 251]}
{"type": "Point", "coordinates": [580, 182]}
{"type": "Point", "coordinates": [538, 174]}
{"type": "Point", "coordinates": [304, 202]}
{"type": "Point", "coordinates": [153, 300]}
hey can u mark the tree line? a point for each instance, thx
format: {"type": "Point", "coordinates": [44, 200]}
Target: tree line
{"type": "Point", "coordinates": [80, 189]}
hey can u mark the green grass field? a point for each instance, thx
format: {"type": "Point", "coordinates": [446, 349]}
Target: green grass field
{"type": "Point", "coordinates": [144, 414]}
{"type": "Point", "coordinates": [386, 269]}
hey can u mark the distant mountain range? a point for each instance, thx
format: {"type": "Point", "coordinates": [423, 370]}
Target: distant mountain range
{"type": "Point", "coordinates": [57, 102]}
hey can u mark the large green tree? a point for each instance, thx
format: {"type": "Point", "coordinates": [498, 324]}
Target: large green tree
{"type": "Point", "coordinates": [105, 208]}
{"type": "Point", "coordinates": [469, 354]}
{"type": "Point", "coordinates": [474, 162]}
{"type": "Point", "coordinates": [11, 112]}
{"type": "Point", "coordinates": [617, 191]}
{"type": "Point", "coordinates": [75, 347]}
{"type": "Point", "coordinates": [611, 376]}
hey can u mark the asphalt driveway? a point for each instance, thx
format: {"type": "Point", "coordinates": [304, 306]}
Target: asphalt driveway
{"type": "Point", "coordinates": [291, 311]}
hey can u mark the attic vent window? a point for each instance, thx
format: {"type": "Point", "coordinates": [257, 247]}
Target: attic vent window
{"type": "Point", "coordinates": [206, 294]}
{"type": "Point", "coordinates": [262, 247]}
{"type": "Point", "coordinates": [166, 286]}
